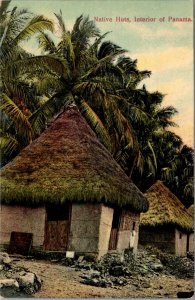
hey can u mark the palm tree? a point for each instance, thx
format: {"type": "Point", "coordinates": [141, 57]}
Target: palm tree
{"type": "Point", "coordinates": [178, 172]}
{"type": "Point", "coordinates": [73, 69]}
{"type": "Point", "coordinates": [82, 72]}
{"type": "Point", "coordinates": [144, 112]}
{"type": "Point", "coordinates": [103, 83]}
{"type": "Point", "coordinates": [158, 153]}
{"type": "Point", "coordinates": [16, 93]}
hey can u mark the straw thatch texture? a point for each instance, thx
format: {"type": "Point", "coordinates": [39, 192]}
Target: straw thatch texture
{"type": "Point", "coordinates": [165, 208]}
{"type": "Point", "coordinates": [68, 163]}
{"type": "Point", "coordinates": [191, 210]}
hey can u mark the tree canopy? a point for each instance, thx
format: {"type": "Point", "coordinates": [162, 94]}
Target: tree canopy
{"type": "Point", "coordinates": [95, 74]}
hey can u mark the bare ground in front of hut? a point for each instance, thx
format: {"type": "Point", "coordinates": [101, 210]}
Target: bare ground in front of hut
{"type": "Point", "coordinates": [64, 282]}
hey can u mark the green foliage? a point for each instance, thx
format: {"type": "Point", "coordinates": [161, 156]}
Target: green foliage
{"type": "Point", "coordinates": [19, 94]}
{"type": "Point", "coordinates": [20, 120]}
{"type": "Point", "coordinates": [104, 83]}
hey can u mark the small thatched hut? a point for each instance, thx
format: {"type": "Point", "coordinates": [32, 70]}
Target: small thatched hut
{"type": "Point", "coordinates": [167, 223]}
{"type": "Point", "coordinates": [191, 234]}
{"type": "Point", "coordinates": [67, 190]}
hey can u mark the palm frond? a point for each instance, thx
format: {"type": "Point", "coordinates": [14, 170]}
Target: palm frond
{"type": "Point", "coordinates": [94, 47]}
{"type": "Point", "coordinates": [167, 174]}
{"type": "Point", "coordinates": [116, 119]}
{"type": "Point", "coordinates": [57, 64]}
{"type": "Point", "coordinates": [41, 117]}
{"type": "Point", "coordinates": [91, 89]}
{"type": "Point", "coordinates": [95, 123]}
{"type": "Point", "coordinates": [4, 6]}
{"type": "Point", "coordinates": [48, 84]}
{"type": "Point", "coordinates": [150, 165]}
{"type": "Point", "coordinates": [22, 91]}
{"type": "Point", "coordinates": [46, 43]}
{"type": "Point", "coordinates": [107, 48]}
{"type": "Point", "coordinates": [101, 65]}
{"type": "Point", "coordinates": [189, 189]}
{"type": "Point", "coordinates": [133, 112]}
{"type": "Point", "coordinates": [13, 23]}
{"type": "Point", "coordinates": [82, 33]}
{"type": "Point", "coordinates": [37, 24]}
{"type": "Point", "coordinates": [61, 23]}
{"type": "Point", "coordinates": [140, 162]}
{"type": "Point", "coordinates": [153, 155]}
{"type": "Point", "coordinates": [20, 120]}
{"type": "Point", "coordinates": [76, 26]}
{"type": "Point", "coordinates": [66, 46]}
{"type": "Point", "coordinates": [8, 146]}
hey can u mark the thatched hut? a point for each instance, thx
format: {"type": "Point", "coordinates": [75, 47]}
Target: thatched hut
{"type": "Point", "coordinates": [68, 192]}
{"type": "Point", "coordinates": [167, 222]}
{"type": "Point", "coordinates": [191, 234]}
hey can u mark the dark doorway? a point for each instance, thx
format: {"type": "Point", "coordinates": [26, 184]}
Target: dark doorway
{"type": "Point", "coordinates": [114, 230]}
{"type": "Point", "coordinates": [57, 227]}
{"type": "Point", "coordinates": [20, 243]}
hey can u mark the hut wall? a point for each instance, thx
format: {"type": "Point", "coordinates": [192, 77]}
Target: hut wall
{"type": "Point", "coordinates": [180, 243]}
{"type": "Point", "coordinates": [22, 219]}
{"type": "Point", "coordinates": [162, 237]}
{"type": "Point", "coordinates": [128, 231]}
{"type": "Point", "coordinates": [84, 228]}
{"type": "Point", "coordinates": [105, 229]}
{"type": "Point", "coordinates": [191, 242]}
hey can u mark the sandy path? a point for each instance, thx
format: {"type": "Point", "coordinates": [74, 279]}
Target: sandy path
{"type": "Point", "coordinates": [63, 282]}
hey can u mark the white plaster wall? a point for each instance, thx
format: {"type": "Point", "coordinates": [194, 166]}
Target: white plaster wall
{"type": "Point", "coordinates": [105, 229]}
{"type": "Point", "coordinates": [180, 243]}
{"type": "Point", "coordinates": [123, 240]}
{"type": "Point", "coordinates": [22, 219]}
{"type": "Point", "coordinates": [137, 222]}
{"type": "Point", "coordinates": [191, 242]}
{"type": "Point", "coordinates": [84, 229]}
{"type": "Point", "coordinates": [126, 236]}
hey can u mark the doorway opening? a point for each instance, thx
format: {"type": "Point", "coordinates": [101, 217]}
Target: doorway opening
{"type": "Point", "coordinates": [114, 230]}
{"type": "Point", "coordinates": [57, 227]}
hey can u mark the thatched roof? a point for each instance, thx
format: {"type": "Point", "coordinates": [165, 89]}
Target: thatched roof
{"type": "Point", "coordinates": [165, 208]}
{"type": "Point", "coordinates": [191, 210]}
{"type": "Point", "coordinates": [68, 163]}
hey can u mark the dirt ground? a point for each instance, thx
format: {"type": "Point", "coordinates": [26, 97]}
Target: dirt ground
{"type": "Point", "coordinates": [64, 282]}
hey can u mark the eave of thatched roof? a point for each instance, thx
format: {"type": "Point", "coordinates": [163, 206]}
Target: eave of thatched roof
{"type": "Point", "coordinates": [165, 208]}
{"type": "Point", "coordinates": [68, 163]}
{"type": "Point", "coordinates": [191, 210]}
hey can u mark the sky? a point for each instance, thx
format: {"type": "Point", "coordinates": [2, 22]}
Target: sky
{"type": "Point", "coordinates": [164, 46]}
